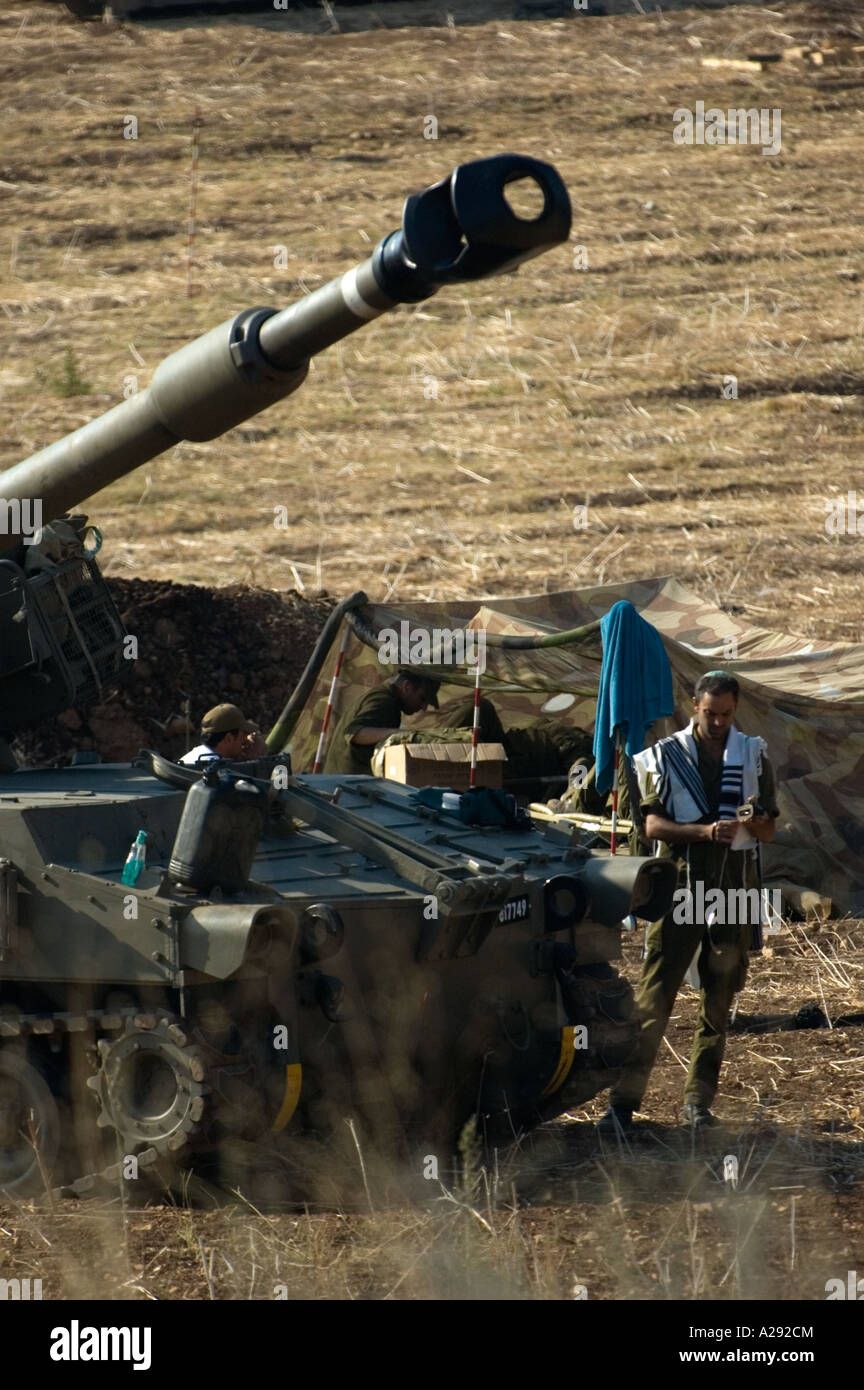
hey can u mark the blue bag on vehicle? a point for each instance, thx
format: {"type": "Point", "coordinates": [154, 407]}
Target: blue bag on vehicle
{"type": "Point", "coordinates": [477, 806]}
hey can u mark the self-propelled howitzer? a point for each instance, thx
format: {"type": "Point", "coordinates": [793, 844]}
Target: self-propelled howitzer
{"type": "Point", "coordinates": [298, 951]}
{"type": "Point", "coordinates": [62, 637]}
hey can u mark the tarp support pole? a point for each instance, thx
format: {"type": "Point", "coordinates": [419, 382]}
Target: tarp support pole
{"type": "Point", "coordinates": [325, 723]}
{"type": "Point", "coordinates": [475, 730]}
{"type": "Point", "coordinates": [284, 726]}
{"type": "Point", "coordinates": [613, 834]}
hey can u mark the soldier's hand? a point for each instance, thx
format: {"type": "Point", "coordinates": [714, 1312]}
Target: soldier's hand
{"type": "Point", "coordinates": [256, 746]}
{"type": "Point", "coordinates": [724, 831]}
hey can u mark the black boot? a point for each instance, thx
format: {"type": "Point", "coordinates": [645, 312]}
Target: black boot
{"type": "Point", "coordinates": [697, 1115]}
{"type": "Point", "coordinates": [617, 1120]}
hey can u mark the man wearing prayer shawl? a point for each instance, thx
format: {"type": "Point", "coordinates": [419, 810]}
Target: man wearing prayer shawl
{"type": "Point", "coordinates": [708, 797]}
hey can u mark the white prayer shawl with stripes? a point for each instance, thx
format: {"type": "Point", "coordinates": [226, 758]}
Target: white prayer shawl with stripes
{"type": "Point", "coordinates": [669, 771]}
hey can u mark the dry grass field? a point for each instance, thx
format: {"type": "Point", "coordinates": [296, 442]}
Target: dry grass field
{"type": "Point", "coordinates": [442, 452]}
{"type": "Point", "coordinates": [556, 388]}
{"type": "Point", "coordinates": [649, 1219]}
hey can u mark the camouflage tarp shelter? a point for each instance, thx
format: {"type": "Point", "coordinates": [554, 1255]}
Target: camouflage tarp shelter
{"type": "Point", "coordinates": [805, 698]}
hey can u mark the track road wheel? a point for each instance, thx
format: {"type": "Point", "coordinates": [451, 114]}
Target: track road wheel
{"type": "Point", "coordinates": [29, 1127]}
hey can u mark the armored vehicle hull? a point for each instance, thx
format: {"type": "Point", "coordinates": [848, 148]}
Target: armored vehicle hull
{"type": "Point", "coordinates": [155, 1022]}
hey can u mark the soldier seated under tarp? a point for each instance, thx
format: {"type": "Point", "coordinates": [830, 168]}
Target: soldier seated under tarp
{"type": "Point", "coordinates": [375, 717]}
{"type": "Point", "coordinates": [535, 753]}
{"type": "Point", "coordinates": [376, 720]}
{"type": "Point", "coordinates": [544, 750]}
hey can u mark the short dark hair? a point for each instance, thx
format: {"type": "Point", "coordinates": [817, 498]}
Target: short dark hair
{"type": "Point", "coordinates": [716, 683]}
{"type": "Point", "coordinates": [212, 739]}
{"type": "Point", "coordinates": [428, 684]}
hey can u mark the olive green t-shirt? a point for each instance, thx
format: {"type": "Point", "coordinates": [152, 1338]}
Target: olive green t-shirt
{"type": "Point", "coordinates": [379, 708]}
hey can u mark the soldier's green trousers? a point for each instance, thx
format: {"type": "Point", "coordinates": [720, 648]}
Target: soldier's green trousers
{"type": "Point", "coordinates": [722, 971]}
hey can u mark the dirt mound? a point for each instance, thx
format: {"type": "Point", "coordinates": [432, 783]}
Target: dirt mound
{"type": "Point", "coordinates": [196, 647]}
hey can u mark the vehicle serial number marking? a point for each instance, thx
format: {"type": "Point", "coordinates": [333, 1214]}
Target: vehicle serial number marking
{"type": "Point", "coordinates": [515, 910]}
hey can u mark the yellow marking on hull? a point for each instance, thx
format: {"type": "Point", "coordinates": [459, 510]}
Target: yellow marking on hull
{"type": "Point", "coordinates": [565, 1061]}
{"type": "Point", "coordinates": [293, 1082]}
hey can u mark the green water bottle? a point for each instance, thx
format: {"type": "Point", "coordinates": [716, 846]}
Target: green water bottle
{"type": "Point", "coordinates": [135, 860]}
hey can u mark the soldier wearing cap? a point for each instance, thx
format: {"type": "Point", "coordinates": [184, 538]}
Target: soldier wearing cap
{"type": "Point", "coordinates": [226, 733]}
{"type": "Point", "coordinates": [378, 715]}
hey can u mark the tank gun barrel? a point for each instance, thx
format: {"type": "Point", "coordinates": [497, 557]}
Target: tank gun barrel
{"type": "Point", "coordinates": [458, 230]}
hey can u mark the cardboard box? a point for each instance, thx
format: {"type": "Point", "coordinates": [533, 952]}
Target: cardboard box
{"type": "Point", "coordinates": [444, 764]}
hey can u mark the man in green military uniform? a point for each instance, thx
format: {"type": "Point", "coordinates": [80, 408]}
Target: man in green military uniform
{"type": "Point", "coordinates": [692, 787]}
{"type": "Point", "coordinates": [378, 714]}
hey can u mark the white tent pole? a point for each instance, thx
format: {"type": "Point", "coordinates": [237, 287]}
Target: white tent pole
{"type": "Point", "coordinates": [319, 752]}
{"type": "Point", "coordinates": [475, 729]}
{"type": "Point", "coordinates": [613, 834]}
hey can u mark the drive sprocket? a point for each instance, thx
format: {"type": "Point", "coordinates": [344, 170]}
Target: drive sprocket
{"type": "Point", "coordinates": [150, 1085]}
